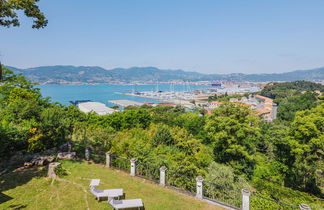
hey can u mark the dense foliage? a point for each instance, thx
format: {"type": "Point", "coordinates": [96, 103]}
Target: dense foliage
{"type": "Point", "coordinates": [286, 89]}
{"type": "Point", "coordinates": [9, 16]}
{"type": "Point", "coordinates": [293, 96]}
{"type": "Point", "coordinates": [230, 147]}
{"type": "Point", "coordinates": [29, 122]}
{"type": "Point", "coordinates": [233, 132]}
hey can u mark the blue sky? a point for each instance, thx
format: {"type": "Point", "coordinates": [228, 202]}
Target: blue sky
{"type": "Point", "coordinates": [209, 36]}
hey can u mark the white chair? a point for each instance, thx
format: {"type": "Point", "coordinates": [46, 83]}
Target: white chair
{"type": "Point", "coordinates": [94, 182]}
{"type": "Point", "coordinates": [125, 204]}
{"type": "Point", "coordinates": [110, 194]}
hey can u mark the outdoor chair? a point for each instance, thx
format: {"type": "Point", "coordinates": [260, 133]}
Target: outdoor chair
{"type": "Point", "coordinates": [125, 204]}
{"type": "Point", "coordinates": [108, 193]}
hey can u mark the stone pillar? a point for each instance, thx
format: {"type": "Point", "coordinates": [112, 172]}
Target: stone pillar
{"type": "Point", "coordinates": [69, 147]}
{"type": "Point", "coordinates": [199, 185]}
{"type": "Point", "coordinates": [304, 207]}
{"type": "Point", "coordinates": [51, 169]}
{"type": "Point", "coordinates": [133, 167]}
{"type": "Point", "coordinates": [246, 199]}
{"type": "Point", "coordinates": [162, 175]}
{"type": "Point", "coordinates": [87, 154]}
{"type": "Point", "coordinates": [108, 159]}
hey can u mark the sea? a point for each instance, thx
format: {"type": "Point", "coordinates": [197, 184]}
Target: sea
{"type": "Point", "coordinates": [104, 93]}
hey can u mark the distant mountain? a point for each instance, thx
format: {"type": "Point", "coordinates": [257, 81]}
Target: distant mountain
{"type": "Point", "coordinates": [95, 74]}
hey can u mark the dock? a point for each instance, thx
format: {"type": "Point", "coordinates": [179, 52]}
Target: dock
{"type": "Point", "coordinates": [125, 103]}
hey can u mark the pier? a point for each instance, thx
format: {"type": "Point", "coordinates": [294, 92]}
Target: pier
{"type": "Point", "coordinates": [125, 103]}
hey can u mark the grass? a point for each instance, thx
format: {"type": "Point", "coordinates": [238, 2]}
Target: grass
{"type": "Point", "coordinates": [30, 189]}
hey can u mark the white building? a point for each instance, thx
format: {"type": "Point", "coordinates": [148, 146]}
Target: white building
{"type": "Point", "coordinates": [99, 108]}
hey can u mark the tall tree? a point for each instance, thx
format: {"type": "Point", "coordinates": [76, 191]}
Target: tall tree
{"type": "Point", "coordinates": [307, 148]}
{"type": "Point", "coordinates": [162, 135]}
{"type": "Point", "coordinates": [233, 131]}
{"type": "Point", "coordinates": [290, 105]}
{"type": "Point", "coordinates": [9, 17]}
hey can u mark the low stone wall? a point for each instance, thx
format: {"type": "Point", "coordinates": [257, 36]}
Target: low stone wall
{"type": "Point", "coordinates": [66, 155]}
{"type": "Point", "coordinates": [37, 159]}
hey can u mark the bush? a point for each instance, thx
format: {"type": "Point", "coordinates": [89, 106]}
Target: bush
{"type": "Point", "coordinates": [61, 171]}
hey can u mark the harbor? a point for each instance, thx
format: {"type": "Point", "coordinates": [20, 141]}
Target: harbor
{"type": "Point", "coordinates": [190, 98]}
{"type": "Point", "coordinates": [186, 94]}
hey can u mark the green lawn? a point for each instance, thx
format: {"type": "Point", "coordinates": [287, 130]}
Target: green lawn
{"type": "Point", "coordinates": [30, 189]}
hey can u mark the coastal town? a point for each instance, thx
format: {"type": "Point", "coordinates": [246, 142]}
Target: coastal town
{"type": "Point", "coordinates": [243, 94]}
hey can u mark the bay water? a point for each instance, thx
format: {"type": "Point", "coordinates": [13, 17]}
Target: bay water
{"type": "Point", "coordinates": [103, 93]}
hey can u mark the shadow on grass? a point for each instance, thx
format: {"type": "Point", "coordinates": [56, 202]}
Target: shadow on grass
{"type": "Point", "coordinates": [17, 207]}
{"type": "Point", "coordinates": [17, 178]}
{"type": "Point", "coordinates": [4, 198]}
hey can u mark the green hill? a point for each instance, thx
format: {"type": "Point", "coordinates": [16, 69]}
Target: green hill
{"type": "Point", "coordinates": [95, 74]}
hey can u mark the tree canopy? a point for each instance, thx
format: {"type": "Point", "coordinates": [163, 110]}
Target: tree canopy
{"type": "Point", "coordinates": [234, 131]}
{"type": "Point", "coordinates": [285, 89]}
{"type": "Point", "coordinates": [9, 17]}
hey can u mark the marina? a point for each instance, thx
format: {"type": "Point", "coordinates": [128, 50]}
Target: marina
{"type": "Point", "coordinates": [191, 95]}
{"type": "Point", "coordinates": [185, 94]}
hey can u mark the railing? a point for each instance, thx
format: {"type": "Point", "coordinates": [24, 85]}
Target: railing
{"type": "Point", "coordinates": [181, 181]}
{"type": "Point", "coordinates": [98, 156]}
{"type": "Point", "coordinates": [220, 194]}
{"type": "Point", "coordinates": [269, 204]}
{"type": "Point", "coordinates": [148, 171]}
{"type": "Point", "coordinates": [120, 163]}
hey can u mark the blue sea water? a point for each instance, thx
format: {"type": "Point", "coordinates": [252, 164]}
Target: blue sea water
{"type": "Point", "coordinates": [103, 93]}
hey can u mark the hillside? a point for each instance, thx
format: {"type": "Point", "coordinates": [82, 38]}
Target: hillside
{"type": "Point", "coordinates": [30, 189]}
{"type": "Point", "coordinates": [95, 74]}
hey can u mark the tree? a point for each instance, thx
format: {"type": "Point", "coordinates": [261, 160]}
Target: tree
{"type": "Point", "coordinates": [233, 131]}
{"type": "Point", "coordinates": [307, 148]}
{"type": "Point", "coordinates": [279, 91]}
{"type": "Point", "coordinates": [273, 157]}
{"type": "Point", "coordinates": [224, 176]}
{"type": "Point", "coordinates": [29, 122]}
{"type": "Point", "coordinates": [50, 131]}
{"type": "Point", "coordinates": [166, 114]}
{"type": "Point", "coordinates": [21, 104]}
{"type": "Point", "coordinates": [290, 105]}
{"type": "Point", "coordinates": [123, 120]}
{"type": "Point", "coordinates": [226, 184]}
{"type": "Point", "coordinates": [269, 169]}
{"type": "Point", "coordinates": [11, 80]}
{"type": "Point", "coordinates": [11, 139]}
{"type": "Point", "coordinates": [199, 154]}
{"type": "Point", "coordinates": [192, 122]}
{"type": "Point", "coordinates": [162, 135]}
{"type": "Point", "coordinates": [9, 17]}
